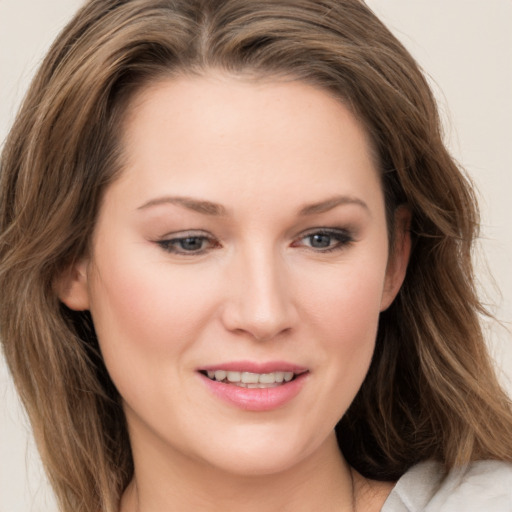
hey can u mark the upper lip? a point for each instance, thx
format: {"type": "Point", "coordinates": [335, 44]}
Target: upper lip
{"type": "Point", "coordinates": [255, 367]}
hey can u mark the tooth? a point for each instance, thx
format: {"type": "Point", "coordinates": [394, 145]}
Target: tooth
{"type": "Point", "coordinates": [220, 375]}
{"type": "Point", "coordinates": [267, 378]}
{"type": "Point", "coordinates": [250, 378]}
{"type": "Point", "coordinates": [233, 376]}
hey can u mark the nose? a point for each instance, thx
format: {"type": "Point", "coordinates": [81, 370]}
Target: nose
{"type": "Point", "coordinates": [260, 301]}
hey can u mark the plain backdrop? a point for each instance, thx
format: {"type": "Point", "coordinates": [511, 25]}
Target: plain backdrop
{"type": "Point", "coordinates": [465, 46]}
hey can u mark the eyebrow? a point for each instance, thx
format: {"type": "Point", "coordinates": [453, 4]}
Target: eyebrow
{"type": "Point", "coordinates": [329, 204]}
{"type": "Point", "coordinates": [215, 209]}
{"type": "Point", "coordinates": [197, 205]}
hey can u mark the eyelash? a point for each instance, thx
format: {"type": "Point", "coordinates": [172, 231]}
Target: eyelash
{"type": "Point", "coordinates": [170, 245]}
{"type": "Point", "coordinates": [342, 238]}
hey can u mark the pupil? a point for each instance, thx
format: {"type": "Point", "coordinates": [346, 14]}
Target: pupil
{"type": "Point", "coordinates": [320, 241]}
{"type": "Point", "coordinates": [191, 244]}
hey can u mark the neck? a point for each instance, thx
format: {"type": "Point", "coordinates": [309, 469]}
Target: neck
{"type": "Point", "coordinates": [321, 481]}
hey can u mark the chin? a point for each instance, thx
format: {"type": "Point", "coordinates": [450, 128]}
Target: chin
{"type": "Point", "coordinates": [263, 453]}
{"type": "Point", "coordinates": [257, 464]}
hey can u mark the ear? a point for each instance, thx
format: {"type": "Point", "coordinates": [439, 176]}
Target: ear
{"type": "Point", "coordinates": [398, 257]}
{"type": "Point", "coordinates": [72, 288]}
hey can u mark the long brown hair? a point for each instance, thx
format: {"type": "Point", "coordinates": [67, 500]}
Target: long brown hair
{"type": "Point", "coordinates": [430, 392]}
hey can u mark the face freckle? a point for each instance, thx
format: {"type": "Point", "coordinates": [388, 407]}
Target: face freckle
{"type": "Point", "coordinates": [246, 234]}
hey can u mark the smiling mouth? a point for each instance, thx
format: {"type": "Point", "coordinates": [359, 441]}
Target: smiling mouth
{"type": "Point", "coordinates": [252, 380]}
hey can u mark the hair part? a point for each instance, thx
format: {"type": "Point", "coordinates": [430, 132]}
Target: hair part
{"type": "Point", "coordinates": [431, 391]}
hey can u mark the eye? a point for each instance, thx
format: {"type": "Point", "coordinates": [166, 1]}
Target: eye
{"type": "Point", "coordinates": [189, 244]}
{"type": "Point", "coordinates": [325, 240]}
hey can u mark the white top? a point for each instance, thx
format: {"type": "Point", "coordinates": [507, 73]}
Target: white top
{"type": "Point", "coordinates": [483, 486]}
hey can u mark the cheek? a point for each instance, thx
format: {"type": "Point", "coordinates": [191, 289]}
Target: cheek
{"type": "Point", "coordinates": [353, 329]}
{"type": "Point", "coordinates": [145, 314]}
{"type": "Point", "coordinates": [134, 288]}
{"type": "Point", "coordinates": [344, 309]}
{"type": "Point", "coordinates": [346, 301]}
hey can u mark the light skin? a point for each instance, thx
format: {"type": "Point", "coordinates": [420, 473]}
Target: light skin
{"type": "Point", "coordinates": [248, 224]}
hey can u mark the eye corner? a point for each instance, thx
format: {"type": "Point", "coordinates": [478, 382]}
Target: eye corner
{"type": "Point", "coordinates": [325, 239]}
{"type": "Point", "coordinates": [188, 243]}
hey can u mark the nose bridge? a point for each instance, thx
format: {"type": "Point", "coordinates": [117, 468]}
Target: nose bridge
{"type": "Point", "coordinates": [260, 304]}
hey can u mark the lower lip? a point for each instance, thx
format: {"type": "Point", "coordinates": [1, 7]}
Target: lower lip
{"type": "Point", "coordinates": [256, 399]}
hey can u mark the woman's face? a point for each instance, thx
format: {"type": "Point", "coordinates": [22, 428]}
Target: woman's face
{"type": "Point", "coordinates": [243, 245]}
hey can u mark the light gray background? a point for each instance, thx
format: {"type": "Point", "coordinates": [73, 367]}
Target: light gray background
{"type": "Point", "coordinates": [466, 47]}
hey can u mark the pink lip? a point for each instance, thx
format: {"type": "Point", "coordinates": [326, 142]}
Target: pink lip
{"type": "Point", "coordinates": [254, 367]}
{"type": "Point", "coordinates": [256, 399]}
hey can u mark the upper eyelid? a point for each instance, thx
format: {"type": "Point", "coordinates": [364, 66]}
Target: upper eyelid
{"type": "Point", "coordinates": [186, 233]}
{"type": "Point", "coordinates": [176, 235]}
{"type": "Point", "coordinates": [345, 236]}
{"type": "Point", "coordinates": [168, 238]}
{"type": "Point", "coordinates": [167, 244]}
{"type": "Point", "coordinates": [326, 230]}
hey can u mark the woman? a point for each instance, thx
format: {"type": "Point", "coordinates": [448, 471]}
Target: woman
{"type": "Point", "coordinates": [236, 264]}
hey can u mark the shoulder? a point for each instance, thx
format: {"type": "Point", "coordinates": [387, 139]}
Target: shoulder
{"type": "Point", "coordinates": [482, 485]}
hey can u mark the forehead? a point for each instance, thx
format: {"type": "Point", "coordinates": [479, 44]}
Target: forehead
{"type": "Point", "coordinates": [223, 101]}
{"type": "Point", "coordinates": [204, 134]}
